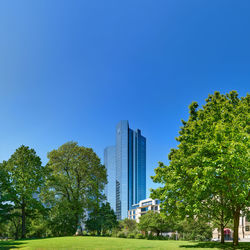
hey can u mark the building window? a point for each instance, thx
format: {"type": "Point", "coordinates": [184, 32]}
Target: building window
{"type": "Point", "coordinates": [147, 203]}
{"type": "Point", "coordinates": [156, 207]}
{"type": "Point", "coordinates": [247, 228]}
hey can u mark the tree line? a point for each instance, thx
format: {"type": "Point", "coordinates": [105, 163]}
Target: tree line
{"type": "Point", "coordinates": [49, 200]}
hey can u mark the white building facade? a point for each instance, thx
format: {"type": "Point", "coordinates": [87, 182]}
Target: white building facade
{"type": "Point", "coordinates": [142, 208]}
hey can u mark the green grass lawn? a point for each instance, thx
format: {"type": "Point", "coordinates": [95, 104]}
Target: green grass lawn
{"type": "Point", "coordinates": [112, 243]}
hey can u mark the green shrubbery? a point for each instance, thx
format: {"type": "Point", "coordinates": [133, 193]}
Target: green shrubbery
{"type": "Point", "coordinates": [121, 235]}
{"type": "Point", "coordinates": [139, 236]}
{"type": "Point", "coordinates": [131, 236]}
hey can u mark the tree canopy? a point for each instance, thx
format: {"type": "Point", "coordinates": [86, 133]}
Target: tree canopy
{"type": "Point", "coordinates": [155, 222]}
{"type": "Point", "coordinates": [75, 180]}
{"type": "Point", "coordinates": [26, 175]}
{"type": "Point", "coordinates": [210, 167]}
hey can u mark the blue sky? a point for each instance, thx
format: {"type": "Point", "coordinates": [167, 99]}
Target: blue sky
{"type": "Point", "coordinates": [71, 70]}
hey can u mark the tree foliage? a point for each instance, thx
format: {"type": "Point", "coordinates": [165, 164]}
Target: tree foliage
{"type": "Point", "coordinates": [26, 176]}
{"type": "Point", "coordinates": [209, 171]}
{"type": "Point", "coordinates": [155, 222]}
{"type": "Point", "coordinates": [102, 219]}
{"type": "Point", "coordinates": [128, 225]}
{"type": "Point", "coordinates": [194, 229]}
{"type": "Point", "coordinates": [75, 180]}
{"type": "Point", "coordinates": [5, 206]}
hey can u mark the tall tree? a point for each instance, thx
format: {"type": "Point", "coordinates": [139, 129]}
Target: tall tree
{"type": "Point", "coordinates": [210, 168]}
{"type": "Point", "coordinates": [26, 177]}
{"type": "Point", "coordinates": [75, 180]}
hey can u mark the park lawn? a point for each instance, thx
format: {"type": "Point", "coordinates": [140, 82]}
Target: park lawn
{"type": "Point", "coordinates": [111, 243]}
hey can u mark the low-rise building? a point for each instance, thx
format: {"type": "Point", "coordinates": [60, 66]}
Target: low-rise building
{"type": "Point", "coordinates": [142, 208]}
{"type": "Point", "coordinates": [244, 231]}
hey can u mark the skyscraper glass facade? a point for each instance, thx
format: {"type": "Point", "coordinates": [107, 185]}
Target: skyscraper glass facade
{"type": "Point", "coordinates": [122, 168]}
{"type": "Point", "coordinates": [109, 162]}
{"type": "Point", "coordinates": [130, 169]}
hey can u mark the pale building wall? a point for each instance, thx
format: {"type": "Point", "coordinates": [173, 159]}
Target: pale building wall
{"type": "Point", "coordinates": [142, 208]}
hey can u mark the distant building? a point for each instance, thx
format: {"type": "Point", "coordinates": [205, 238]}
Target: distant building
{"type": "Point", "coordinates": [129, 154]}
{"type": "Point", "coordinates": [244, 231]}
{"type": "Point", "coordinates": [109, 162]}
{"type": "Point", "coordinates": [142, 208]}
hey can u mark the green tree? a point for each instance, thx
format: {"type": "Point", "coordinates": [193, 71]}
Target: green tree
{"type": "Point", "coordinates": [160, 223]}
{"type": "Point", "coordinates": [209, 172]}
{"type": "Point", "coordinates": [61, 219]}
{"type": "Point", "coordinates": [102, 219]}
{"type": "Point", "coordinates": [5, 205]}
{"type": "Point", "coordinates": [26, 177]}
{"type": "Point", "coordinates": [155, 222]}
{"type": "Point", "coordinates": [194, 229]}
{"type": "Point", "coordinates": [38, 224]}
{"type": "Point", "coordinates": [75, 180]}
{"type": "Point", "coordinates": [129, 225]}
{"type": "Point", "coordinates": [144, 224]}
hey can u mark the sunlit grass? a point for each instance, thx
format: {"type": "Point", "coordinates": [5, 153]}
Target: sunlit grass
{"type": "Point", "coordinates": [112, 243]}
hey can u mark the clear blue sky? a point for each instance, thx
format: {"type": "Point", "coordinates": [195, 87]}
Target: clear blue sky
{"type": "Point", "coordinates": [70, 70]}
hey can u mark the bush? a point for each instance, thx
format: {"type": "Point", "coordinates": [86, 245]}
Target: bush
{"type": "Point", "coordinates": [84, 233]}
{"type": "Point", "coordinates": [107, 234]}
{"type": "Point", "coordinates": [131, 236]}
{"type": "Point", "coordinates": [161, 237]}
{"type": "Point", "coordinates": [121, 235]}
{"type": "Point", "coordinates": [200, 238]}
{"type": "Point", "coordinates": [139, 236]}
{"type": "Point", "coordinates": [152, 237]}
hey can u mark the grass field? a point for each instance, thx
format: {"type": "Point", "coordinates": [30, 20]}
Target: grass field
{"type": "Point", "coordinates": [112, 243]}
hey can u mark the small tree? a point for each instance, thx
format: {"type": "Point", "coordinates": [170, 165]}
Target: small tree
{"type": "Point", "coordinates": [144, 224]}
{"type": "Point", "coordinates": [102, 219]}
{"type": "Point", "coordinates": [154, 222]}
{"type": "Point", "coordinates": [194, 229]}
{"type": "Point", "coordinates": [129, 225]}
{"type": "Point", "coordinates": [26, 177]}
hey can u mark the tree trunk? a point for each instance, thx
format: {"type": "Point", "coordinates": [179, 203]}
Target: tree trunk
{"type": "Point", "coordinates": [222, 237]}
{"type": "Point", "coordinates": [236, 227]}
{"type": "Point", "coordinates": [23, 222]}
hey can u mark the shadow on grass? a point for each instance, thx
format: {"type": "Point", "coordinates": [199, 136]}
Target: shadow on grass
{"type": "Point", "coordinates": [227, 245]}
{"type": "Point", "coordinates": [10, 244]}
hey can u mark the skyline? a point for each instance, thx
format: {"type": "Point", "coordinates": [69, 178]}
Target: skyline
{"type": "Point", "coordinates": [71, 71]}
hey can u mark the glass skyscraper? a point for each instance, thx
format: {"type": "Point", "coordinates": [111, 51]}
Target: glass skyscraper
{"type": "Point", "coordinates": [109, 162]}
{"type": "Point", "coordinates": [130, 169]}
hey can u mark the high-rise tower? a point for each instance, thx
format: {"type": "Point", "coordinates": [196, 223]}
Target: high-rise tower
{"type": "Point", "coordinates": [109, 162]}
{"type": "Point", "coordinates": [130, 169]}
